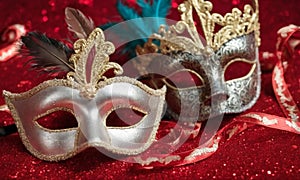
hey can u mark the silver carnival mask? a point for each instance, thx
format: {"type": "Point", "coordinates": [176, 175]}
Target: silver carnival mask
{"type": "Point", "coordinates": [90, 97]}
{"type": "Point", "coordinates": [225, 70]}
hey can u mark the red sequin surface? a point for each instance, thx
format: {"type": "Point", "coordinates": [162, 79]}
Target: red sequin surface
{"type": "Point", "coordinates": [256, 153]}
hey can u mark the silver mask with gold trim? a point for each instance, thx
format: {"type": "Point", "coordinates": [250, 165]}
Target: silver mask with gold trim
{"type": "Point", "coordinates": [234, 45]}
{"type": "Point", "coordinates": [90, 97]}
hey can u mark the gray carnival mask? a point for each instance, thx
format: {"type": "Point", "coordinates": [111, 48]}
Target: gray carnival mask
{"type": "Point", "coordinates": [225, 71]}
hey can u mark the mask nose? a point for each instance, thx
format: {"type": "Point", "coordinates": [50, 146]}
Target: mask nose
{"type": "Point", "coordinates": [217, 85]}
{"type": "Point", "coordinates": [91, 125]}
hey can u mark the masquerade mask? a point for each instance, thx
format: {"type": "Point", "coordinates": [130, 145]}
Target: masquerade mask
{"type": "Point", "coordinates": [90, 97]}
{"type": "Point", "coordinates": [214, 67]}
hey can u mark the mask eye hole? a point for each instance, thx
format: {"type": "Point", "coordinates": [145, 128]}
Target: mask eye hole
{"type": "Point", "coordinates": [124, 117]}
{"type": "Point", "coordinates": [238, 68]}
{"type": "Point", "coordinates": [184, 79]}
{"type": "Point", "coordinates": [57, 120]}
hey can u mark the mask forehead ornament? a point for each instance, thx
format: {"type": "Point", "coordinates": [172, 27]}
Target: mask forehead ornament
{"type": "Point", "coordinates": [90, 97]}
{"type": "Point", "coordinates": [235, 43]}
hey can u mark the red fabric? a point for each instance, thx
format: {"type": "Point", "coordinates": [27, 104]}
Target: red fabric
{"type": "Point", "coordinates": [258, 152]}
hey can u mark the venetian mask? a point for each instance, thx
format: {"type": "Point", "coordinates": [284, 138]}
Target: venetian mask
{"type": "Point", "coordinates": [91, 98]}
{"type": "Point", "coordinates": [224, 71]}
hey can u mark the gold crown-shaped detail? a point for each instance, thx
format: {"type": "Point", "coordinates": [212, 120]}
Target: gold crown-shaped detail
{"type": "Point", "coordinates": [234, 24]}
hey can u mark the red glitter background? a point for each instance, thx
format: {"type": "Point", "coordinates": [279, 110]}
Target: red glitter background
{"type": "Point", "coordinates": [257, 153]}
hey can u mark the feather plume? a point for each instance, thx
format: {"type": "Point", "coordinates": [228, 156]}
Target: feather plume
{"type": "Point", "coordinates": [155, 8]}
{"type": "Point", "coordinates": [48, 54]}
{"type": "Point", "coordinates": [158, 8]}
{"type": "Point", "coordinates": [78, 23]}
{"type": "Point", "coordinates": [127, 12]}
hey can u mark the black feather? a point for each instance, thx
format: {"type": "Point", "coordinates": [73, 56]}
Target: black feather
{"type": "Point", "coordinates": [47, 54]}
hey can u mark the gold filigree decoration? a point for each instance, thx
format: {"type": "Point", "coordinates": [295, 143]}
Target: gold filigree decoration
{"type": "Point", "coordinates": [91, 62]}
{"type": "Point", "coordinates": [234, 24]}
{"type": "Point", "coordinates": [171, 40]}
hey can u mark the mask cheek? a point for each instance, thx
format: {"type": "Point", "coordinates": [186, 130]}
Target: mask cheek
{"type": "Point", "coordinates": [28, 108]}
{"type": "Point", "coordinates": [242, 92]}
{"type": "Point", "coordinates": [51, 145]}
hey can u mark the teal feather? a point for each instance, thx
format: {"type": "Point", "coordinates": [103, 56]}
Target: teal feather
{"type": "Point", "coordinates": [158, 8]}
{"type": "Point", "coordinates": [126, 12]}
{"type": "Point", "coordinates": [136, 29]}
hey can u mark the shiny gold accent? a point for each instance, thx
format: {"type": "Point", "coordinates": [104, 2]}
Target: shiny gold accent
{"type": "Point", "coordinates": [149, 47]}
{"type": "Point", "coordinates": [100, 64]}
{"type": "Point", "coordinates": [234, 24]}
